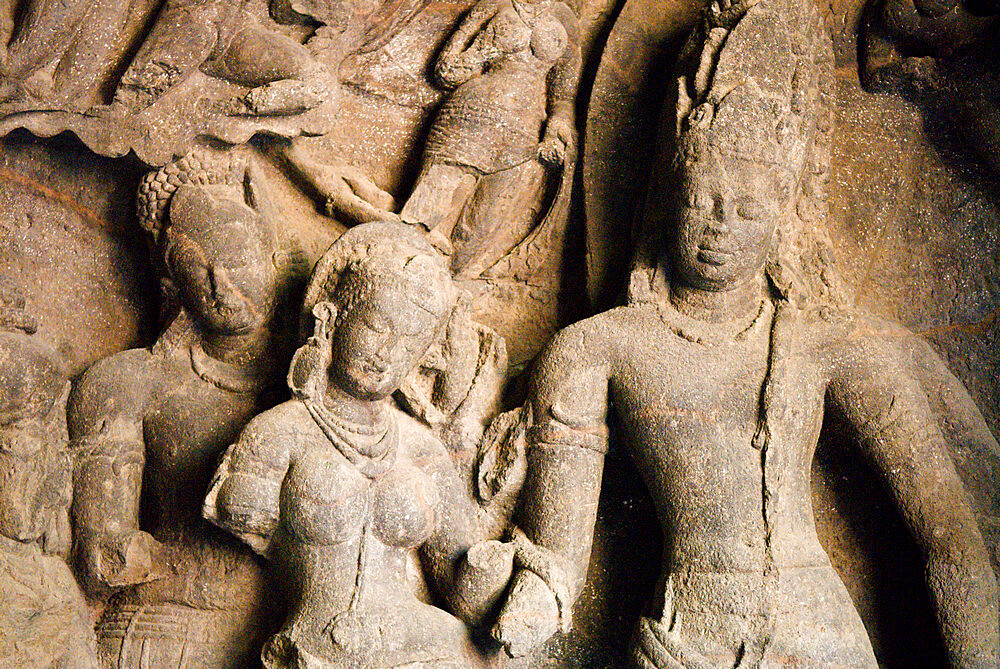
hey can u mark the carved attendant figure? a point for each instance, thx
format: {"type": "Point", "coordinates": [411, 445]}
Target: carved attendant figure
{"type": "Point", "coordinates": [339, 488]}
{"type": "Point", "coordinates": [514, 65]}
{"type": "Point", "coordinates": [719, 383]}
{"type": "Point", "coordinates": [148, 426]}
{"type": "Point", "coordinates": [44, 621]}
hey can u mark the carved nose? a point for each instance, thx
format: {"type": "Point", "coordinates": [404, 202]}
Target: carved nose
{"type": "Point", "coordinates": [384, 351]}
{"type": "Point", "coordinates": [721, 215]}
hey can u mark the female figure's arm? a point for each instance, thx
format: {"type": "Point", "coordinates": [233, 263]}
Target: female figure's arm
{"type": "Point", "coordinates": [244, 496]}
{"type": "Point", "coordinates": [470, 573]}
{"type": "Point", "coordinates": [564, 78]}
{"type": "Point", "coordinates": [465, 54]}
{"type": "Point", "coordinates": [567, 440]}
{"type": "Point", "coordinates": [105, 419]}
{"type": "Point", "coordinates": [880, 397]}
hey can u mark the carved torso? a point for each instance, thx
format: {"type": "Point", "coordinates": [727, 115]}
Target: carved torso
{"type": "Point", "coordinates": [691, 415]}
{"type": "Point", "coordinates": [353, 529]}
{"type": "Point", "coordinates": [494, 120]}
{"type": "Point", "coordinates": [741, 553]}
{"type": "Point", "coordinates": [187, 408]}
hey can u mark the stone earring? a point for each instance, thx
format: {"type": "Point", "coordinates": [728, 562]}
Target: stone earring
{"type": "Point", "coordinates": [307, 375]}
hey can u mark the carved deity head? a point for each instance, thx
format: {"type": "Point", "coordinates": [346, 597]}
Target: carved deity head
{"type": "Point", "coordinates": [752, 143]}
{"type": "Point", "coordinates": [727, 212]}
{"type": "Point", "coordinates": [380, 298]}
{"type": "Point", "coordinates": [218, 252]}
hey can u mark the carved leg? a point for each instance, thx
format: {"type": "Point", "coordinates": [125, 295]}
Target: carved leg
{"type": "Point", "coordinates": [439, 197]}
{"type": "Point", "coordinates": [502, 211]}
{"type": "Point", "coordinates": [182, 40]}
{"type": "Point", "coordinates": [45, 30]}
{"type": "Point", "coordinates": [76, 77]}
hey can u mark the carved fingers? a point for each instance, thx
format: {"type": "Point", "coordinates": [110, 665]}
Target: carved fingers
{"type": "Point", "coordinates": [552, 152]}
{"type": "Point", "coordinates": [529, 617]}
{"type": "Point", "coordinates": [451, 74]}
{"type": "Point", "coordinates": [283, 98]}
{"type": "Point", "coordinates": [356, 199]}
{"type": "Point", "coordinates": [557, 142]}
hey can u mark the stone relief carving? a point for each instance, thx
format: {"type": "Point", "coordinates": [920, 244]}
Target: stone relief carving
{"type": "Point", "coordinates": [958, 40]}
{"type": "Point", "coordinates": [147, 427]}
{"type": "Point", "coordinates": [717, 374]}
{"type": "Point", "coordinates": [513, 68]}
{"type": "Point", "coordinates": [45, 621]}
{"type": "Point", "coordinates": [363, 222]}
{"type": "Point", "coordinates": [337, 486]}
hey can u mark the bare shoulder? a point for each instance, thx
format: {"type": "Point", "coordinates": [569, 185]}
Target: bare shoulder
{"type": "Point", "coordinates": [276, 434]}
{"type": "Point", "coordinates": [597, 339]}
{"type": "Point", "coordinates": [419, 443]}
{"type": "Point", "coordinates": [849, 341]}
{"type": "Point", "coordinates": [119, 386]}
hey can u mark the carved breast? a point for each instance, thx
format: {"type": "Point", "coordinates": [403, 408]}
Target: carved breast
{"type": "Point", "coordinates": [323, 499]}
{"type": "Point", "coordinates": [548, 39]}
{"type": "Point", "coordinates": [403, 506]}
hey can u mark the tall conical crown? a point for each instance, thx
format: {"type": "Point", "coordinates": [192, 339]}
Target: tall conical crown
{"type": "Point", "coordinates": [753, 83]}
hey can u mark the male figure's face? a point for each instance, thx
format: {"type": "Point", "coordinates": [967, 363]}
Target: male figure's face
{"type": "Point", "coordinates": [220, 260]}
{"type": "Point", "coordinates": [727, 211]}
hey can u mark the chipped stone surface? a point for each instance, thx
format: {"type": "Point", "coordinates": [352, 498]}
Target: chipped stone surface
{"type": "Point", "coordinates": [175, 178]}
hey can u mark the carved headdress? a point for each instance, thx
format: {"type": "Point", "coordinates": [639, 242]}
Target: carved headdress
{"type": "Point", "coordinates": [755, 82]}
{"type": "Point", "coordinates": [381, 257]}
{"type": "Point", "coordinates": [366, 260]}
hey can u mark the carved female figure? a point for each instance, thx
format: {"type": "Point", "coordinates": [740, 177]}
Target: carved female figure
{"type": "Point", "coordinates": [514, 66]}
{"type": "Point", "coordinates": [340, 489]}
{"type": "Point", "coordinates": [719, 382]}
{"type": "Point", "coordinates": [148, 426]}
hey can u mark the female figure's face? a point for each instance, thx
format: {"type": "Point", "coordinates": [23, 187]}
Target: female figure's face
{"type": "Point", "coordinates": [378, 342]}
{"type": "Point", "coordinates": [217, 257]}
{"type": "Point", "coordinates": [727, 213]}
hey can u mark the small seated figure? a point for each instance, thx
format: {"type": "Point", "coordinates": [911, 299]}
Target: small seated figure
{"type": "Point", "coordinates": [514, 66]}
{"type": "Point", "coordinates": [147, 427]}
{"type": "Point", "coordinates": [719, 381]}
{"type": "Point", "coordinates": [44, 621]}
{"type": "Point", "coordinates": [350, 498]}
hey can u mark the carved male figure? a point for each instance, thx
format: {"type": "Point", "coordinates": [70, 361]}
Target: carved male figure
{"type": "Point", "coordinates": [719, 383]}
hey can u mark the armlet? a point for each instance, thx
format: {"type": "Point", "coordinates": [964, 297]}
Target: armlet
{"type": "Point", "coordinates": [593, 438]}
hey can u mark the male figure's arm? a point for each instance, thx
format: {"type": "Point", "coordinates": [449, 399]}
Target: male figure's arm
{"type": "Point", "coordinates": [875, 389]}
{"type": "Point", "coordinates": [567, 440]}
{"type": "Point", "coordinates": [105, 418]}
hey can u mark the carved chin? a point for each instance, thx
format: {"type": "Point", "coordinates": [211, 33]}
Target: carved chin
{"type": "Point", "coordinates": [370, 385]}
